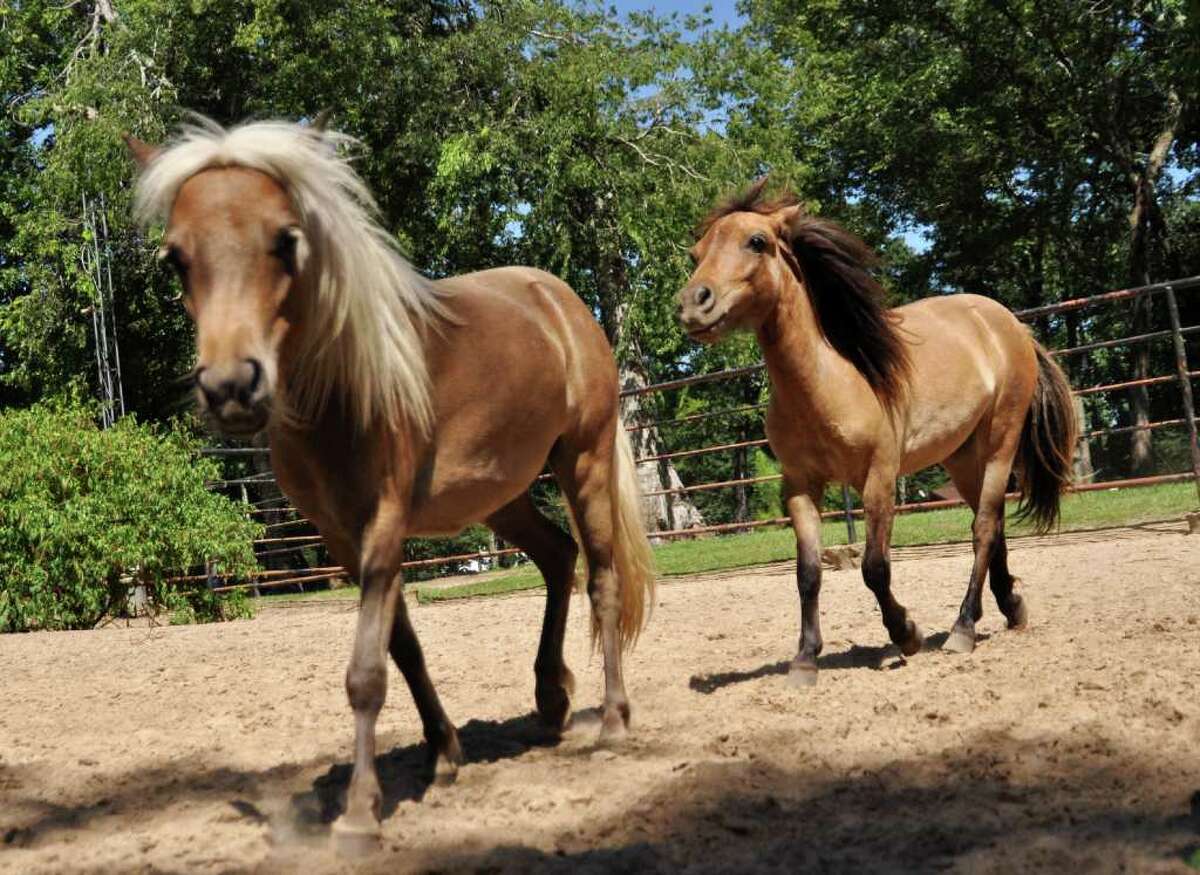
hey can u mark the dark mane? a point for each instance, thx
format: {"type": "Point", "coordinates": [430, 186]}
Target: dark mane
{"type": "Point", "coordinates": [750, 200]}
{"type": "Point", "coordinates": [834, 266]}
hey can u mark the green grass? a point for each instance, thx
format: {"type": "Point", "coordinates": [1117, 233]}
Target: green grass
{"type": "Point", "coordinates": [1086, 510]}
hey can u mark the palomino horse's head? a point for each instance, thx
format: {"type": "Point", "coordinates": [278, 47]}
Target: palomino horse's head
{"type": "Point", "coordinates": [235, 242]}
{"type": "Point", "coordinates": [739, 266]}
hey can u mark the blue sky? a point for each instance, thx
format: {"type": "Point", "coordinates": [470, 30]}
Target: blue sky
{"type": "Point", "coordinates": [722, 12]}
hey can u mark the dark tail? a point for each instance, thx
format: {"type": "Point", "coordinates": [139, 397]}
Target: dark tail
{"type": "Point", "coordinates": [1047, 445]}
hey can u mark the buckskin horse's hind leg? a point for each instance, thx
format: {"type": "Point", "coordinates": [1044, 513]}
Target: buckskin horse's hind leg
{"type": "Point", "coordinates": [879, 506]}
{"type": "Point", "coordinates": [553, 551]}
{"type": "Point", "coordinates": [987, 534]}
{"type": "Point", "coordinates": [1011, 604]}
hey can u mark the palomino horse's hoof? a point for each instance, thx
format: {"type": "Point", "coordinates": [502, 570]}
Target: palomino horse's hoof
{"type": "Point", "coordinates": [914, 639]}
{"type": "Point", "coordinates": [1018, 617]}
{"type": "Point", "coordinates": [355, 837]}
{"type": "Point", "coordinates": [445, 771]}
{"type": "Point", "coordinates": [614, 726]}
{"type": "Point", "coordinates": [554, 707]}
{"type": "Point", "coordinates": [802, 675]}
{"type": "Point", "coordinates": [960, 641]}
{"type": "Point", "coordinates": [445, 763]}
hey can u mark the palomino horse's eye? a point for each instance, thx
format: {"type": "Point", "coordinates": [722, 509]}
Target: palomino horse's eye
{"type": "Point", "coordinates": [170, 255]}
{"type": "Point", "coordinates": [757, 243]}
{"type": "Point", "coordinates": [285, 248]}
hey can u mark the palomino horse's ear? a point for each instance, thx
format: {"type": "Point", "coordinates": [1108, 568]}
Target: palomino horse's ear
{"type": "Point", "coordinates": [143, 153]}
{"type": "Point", "coordinates": [321, 121]}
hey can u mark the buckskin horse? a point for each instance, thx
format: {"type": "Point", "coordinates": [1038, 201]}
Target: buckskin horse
{"type": "Point", "coordinates": [862, 394]}
{"type": "Point", "coordinates": [399, 406]}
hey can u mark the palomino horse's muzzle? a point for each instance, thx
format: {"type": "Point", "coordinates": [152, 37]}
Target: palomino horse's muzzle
{"type": "Point", "coordinates": [234, 396]}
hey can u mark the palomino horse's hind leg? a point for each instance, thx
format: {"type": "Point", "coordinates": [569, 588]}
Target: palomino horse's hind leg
{"type": "Point", "coordinates": [879, 504]}
{"type": "Point", "coordinates": [804, 508]}
{"type": "Point", "coordinates": [554, 552]}
{"type": "Point", "coordinates": [587, 479]}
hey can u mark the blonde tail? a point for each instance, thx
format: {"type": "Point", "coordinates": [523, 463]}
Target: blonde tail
{"type": "Point", "coordinates": [632, 555]}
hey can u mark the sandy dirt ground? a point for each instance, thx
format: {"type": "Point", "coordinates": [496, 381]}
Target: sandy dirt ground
{"type": "Point", "coordinates": [1072, 746]}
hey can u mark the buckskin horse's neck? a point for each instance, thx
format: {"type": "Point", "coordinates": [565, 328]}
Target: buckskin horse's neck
{"type": "Point", "coordinates": [798, 358]}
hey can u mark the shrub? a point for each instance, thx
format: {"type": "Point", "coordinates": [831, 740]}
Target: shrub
{"type": "Point", "coordinates": [87, 514]}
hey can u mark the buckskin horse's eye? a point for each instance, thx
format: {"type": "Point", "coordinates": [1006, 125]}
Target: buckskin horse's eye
{"type": "Point", "coordinates": [757, 243]}
{"type": "Point", "coordinates": [285, 248]}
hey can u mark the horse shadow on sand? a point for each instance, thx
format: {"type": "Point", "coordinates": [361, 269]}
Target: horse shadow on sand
{"type": "Point", "coordinates": [405, 774]}
{"type": "Point", "coordinates": [885, 657]}
{"type": "Point", "coordinates": [27, 821]}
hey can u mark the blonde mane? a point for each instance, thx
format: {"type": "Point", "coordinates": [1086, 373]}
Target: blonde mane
{"type": "Point", "coordinates": [363, 332]}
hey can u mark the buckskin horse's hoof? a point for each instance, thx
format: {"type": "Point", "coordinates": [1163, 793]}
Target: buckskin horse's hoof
{"type": "Point", "coordinates": [960, 641]}
{"type": "Point", "coordinates": [802, 675]}
{"type": "Point", "coordinates": [914, 639]}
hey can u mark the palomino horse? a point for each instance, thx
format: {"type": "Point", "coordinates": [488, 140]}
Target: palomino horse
{"type": "Point", "coordinates": [398, 406]}
{"type": "Point", "coordinates": [861, 394]}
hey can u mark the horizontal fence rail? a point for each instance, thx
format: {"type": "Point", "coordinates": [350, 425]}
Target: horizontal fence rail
{"type": "Point", "coordinates": [278, 542]}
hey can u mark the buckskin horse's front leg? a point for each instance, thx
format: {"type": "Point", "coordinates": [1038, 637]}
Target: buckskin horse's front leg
{"type": "Point", "coordinates": [804, 508]}
{"type": "Point", "coordinates": [366, 677]}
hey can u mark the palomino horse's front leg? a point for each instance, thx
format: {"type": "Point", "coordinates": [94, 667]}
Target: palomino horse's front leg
{"type": "Point", "coordinates": [382, 626]}
{"type": "Point", "coordinates": [804, 508]}
{"type": "Point", "coordinates": [554, 553]}
{"type": "Point", "coordinates": [879, 503]}
{"type": "Point", "coordinates": [366, 687]}
{"type": "Point", "coordinates": [444, 754]}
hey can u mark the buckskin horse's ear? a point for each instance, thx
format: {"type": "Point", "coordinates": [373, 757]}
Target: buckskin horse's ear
{"type": "Point", "coordinates": [787, 220]}
{"type": "Point", "coordinates": [143, 153]}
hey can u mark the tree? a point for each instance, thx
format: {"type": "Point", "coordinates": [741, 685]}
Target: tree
{"type": "Point", "coordinates": [1030, 139]}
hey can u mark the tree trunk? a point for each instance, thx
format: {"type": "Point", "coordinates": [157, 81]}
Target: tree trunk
{"type": "Point", "coordinates": [1141, 448]}
{"type": "Point", "coordinates": [665, 512]}
{"type": "Point", "coordinates": [741, 512]}
{"type": "Point", "coordinates": [1082, 462]}
{"type": "Point", "coordinates": [1145, 224]}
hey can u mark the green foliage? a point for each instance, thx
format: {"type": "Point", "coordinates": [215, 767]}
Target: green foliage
{"type": "Point", "coordinates": [562, 136]}
{"type": "Point", "coordinates": [768, 497]}
{"type": "Point", "coordinates": [86, 514]}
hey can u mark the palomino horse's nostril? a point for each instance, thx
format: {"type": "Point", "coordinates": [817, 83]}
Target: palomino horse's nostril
{"type": "Point", "coordinates": [256, 371]}
{"type": "Point", "coordinates": [704, 297]}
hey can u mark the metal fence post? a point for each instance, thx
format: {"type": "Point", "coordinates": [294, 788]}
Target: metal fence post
{"type": "Point", "coordinates": [850, 536]}
{"type": "Point", "coordinates": [1185, 382]}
